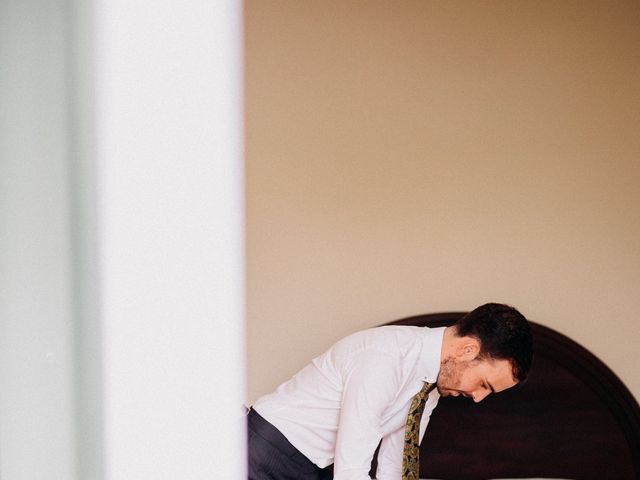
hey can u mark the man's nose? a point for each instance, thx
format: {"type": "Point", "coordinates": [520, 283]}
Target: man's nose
{"type": "Point", "coordinates": [480, 395]}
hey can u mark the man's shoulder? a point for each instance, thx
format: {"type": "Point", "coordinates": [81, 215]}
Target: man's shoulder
{"type": "Point", "coordinates": [393, 331]}
{"type": "Point", "coordinates": [383, 338]}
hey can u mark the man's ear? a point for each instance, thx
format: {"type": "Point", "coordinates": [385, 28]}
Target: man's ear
{"type": "Point", "coordinates": [468, 349]}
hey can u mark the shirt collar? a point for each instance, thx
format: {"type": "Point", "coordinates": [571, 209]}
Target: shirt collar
{"type": "Point", "coordinates": [430, 354]}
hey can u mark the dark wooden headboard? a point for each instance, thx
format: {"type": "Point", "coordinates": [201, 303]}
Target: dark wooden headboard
{"type": "Point", "coordinates": [572, 419]}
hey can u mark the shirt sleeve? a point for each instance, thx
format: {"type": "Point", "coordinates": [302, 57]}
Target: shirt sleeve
{"type": "Point", "coordinates": [371, 382]}
{"type": "Point", "coordinates": [390, 456]}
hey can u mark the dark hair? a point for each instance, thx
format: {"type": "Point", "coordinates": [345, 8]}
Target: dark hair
{"type": "Point", "coordinates": [504, 334]}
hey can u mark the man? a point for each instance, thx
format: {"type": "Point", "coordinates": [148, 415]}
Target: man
{"type": "Point", "coordinates": [336, 410]}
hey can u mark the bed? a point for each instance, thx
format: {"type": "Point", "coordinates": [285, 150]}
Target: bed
{"type": "Point", "coordinates": [572, 419]}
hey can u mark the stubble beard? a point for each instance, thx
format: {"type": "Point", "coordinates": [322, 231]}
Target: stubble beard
{"type": "Point", "coordinates": [450, 375]}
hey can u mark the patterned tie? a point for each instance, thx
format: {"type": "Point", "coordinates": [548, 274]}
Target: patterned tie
{"type": "Point", "coordinates": [411, 454]}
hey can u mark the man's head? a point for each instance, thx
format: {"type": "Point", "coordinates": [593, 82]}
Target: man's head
{"type": "Point", "coordinates": [488, 350]}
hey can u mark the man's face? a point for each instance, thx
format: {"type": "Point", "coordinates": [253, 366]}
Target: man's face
{"type": "Point", "coordinates": [474, 378]}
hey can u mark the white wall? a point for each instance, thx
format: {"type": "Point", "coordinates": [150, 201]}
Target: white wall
{"type": "Point", "coordinates": [37, 401]}
{"type": "Point", "coordinates": [412, 157]}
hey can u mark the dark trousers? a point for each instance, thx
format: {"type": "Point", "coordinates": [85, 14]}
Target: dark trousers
{"type": "Point", "coordinates": [272, 457]}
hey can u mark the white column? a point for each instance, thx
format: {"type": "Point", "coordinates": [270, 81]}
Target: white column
{"type": "Point", "coordinates": [170, 222]}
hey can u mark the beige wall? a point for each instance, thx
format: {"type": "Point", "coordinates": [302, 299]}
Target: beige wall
{"type": "Point", "coordinates": [407, 157]}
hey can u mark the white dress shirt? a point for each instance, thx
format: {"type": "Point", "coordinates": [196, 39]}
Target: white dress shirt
{"type": "Point", "coordinates": [337, 408]}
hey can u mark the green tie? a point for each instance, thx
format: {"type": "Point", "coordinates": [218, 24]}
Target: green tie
{"type": "Point", "coordinates": [411, 454]}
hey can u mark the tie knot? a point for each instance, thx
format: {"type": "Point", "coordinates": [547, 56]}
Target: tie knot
{"type": "Point", "coordinates": [427, 388]}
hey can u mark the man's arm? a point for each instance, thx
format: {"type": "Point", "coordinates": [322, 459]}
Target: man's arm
{"type": "Point", "coordinates": [370, 385]}
{"type": "Point", "coordinates": [390, 456]}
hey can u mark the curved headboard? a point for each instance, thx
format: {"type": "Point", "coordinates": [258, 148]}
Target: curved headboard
{"type": "Point", "coordinates": [573, 418]}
